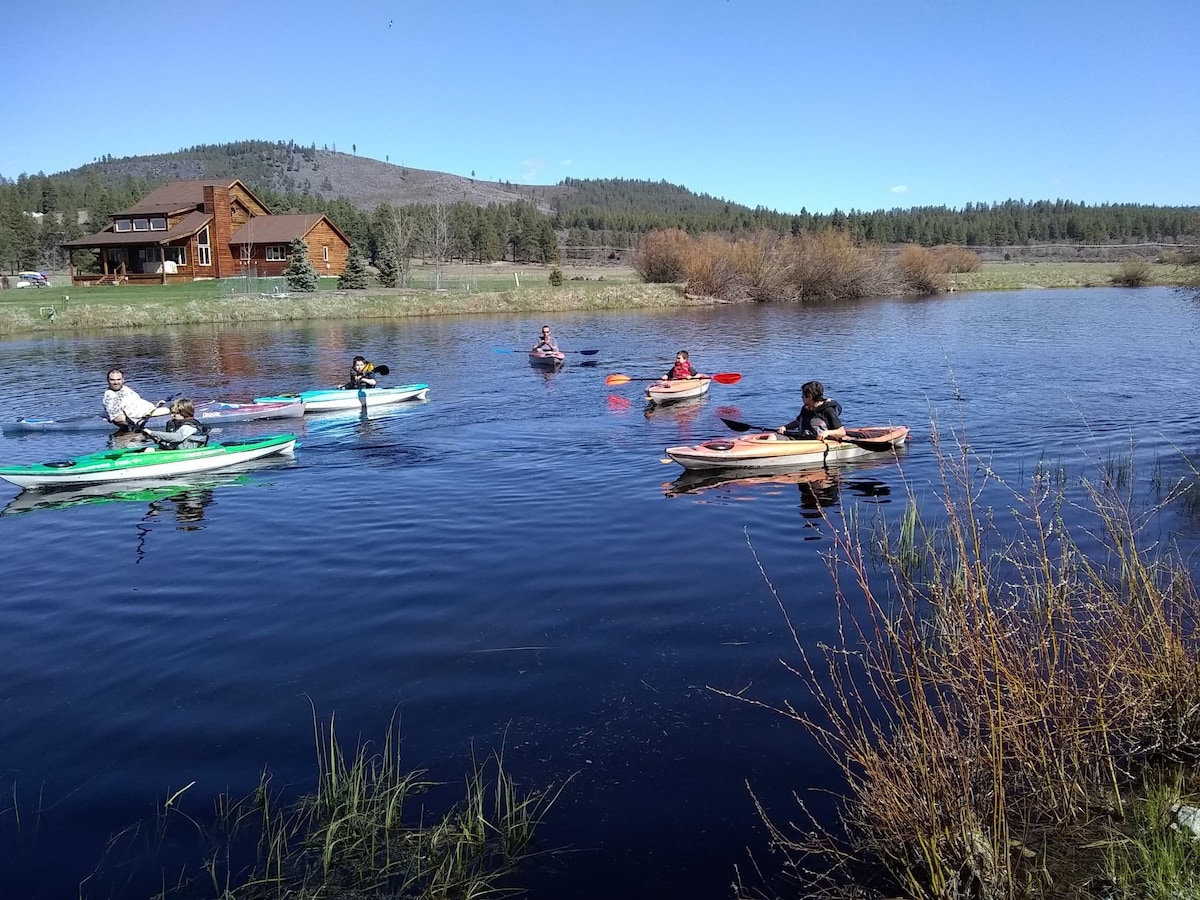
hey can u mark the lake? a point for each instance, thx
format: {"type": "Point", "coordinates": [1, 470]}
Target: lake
{"type": "Point", "coordinates": [509, 565]}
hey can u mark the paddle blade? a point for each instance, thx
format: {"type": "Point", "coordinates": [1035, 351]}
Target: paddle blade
{"type": "Point", "coordinates": [617, 379]}
{"type": "Point", "coordinates": [382, 370]}
{"type": "Point", "coordinates": [588, 352]}
{"type": "Point", "coordinates": [727, 377]}
{"type": "Point", "coordinates": [736, 425]}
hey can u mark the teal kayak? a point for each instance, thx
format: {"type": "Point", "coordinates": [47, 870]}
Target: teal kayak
{"type": "Point", "coordinates": [132, 463]}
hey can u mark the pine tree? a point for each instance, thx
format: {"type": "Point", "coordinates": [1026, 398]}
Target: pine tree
{"type": "Point", "coordinates": [354, 276]}
{"type": "Point", "coordinates": [300, 274]}
{"type": "Point", "coordinates": [389, 270]}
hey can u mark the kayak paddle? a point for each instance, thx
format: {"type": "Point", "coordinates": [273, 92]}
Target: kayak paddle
{"type": "Point", "coordinates": [865, 443]}
{"type": "Point", "coordinates": [583, 352]}
{"type": "Point", "coordinates": [719, 378]}
{"type": "Point", "coordinates": [371, 369]}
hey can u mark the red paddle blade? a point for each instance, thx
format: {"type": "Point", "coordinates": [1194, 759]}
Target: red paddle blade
{"type": "Point", "coordinates": [617, 379]}
{"type": "Point", "coordinates": [727, 377]}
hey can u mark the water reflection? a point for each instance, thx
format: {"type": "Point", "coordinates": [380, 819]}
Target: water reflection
{"type": "Point", "coordinates": [682, 411]}
{"type": "Point", "coordinates": [190, 500]}
{"type": "Point", "coordinates": [820, 489]}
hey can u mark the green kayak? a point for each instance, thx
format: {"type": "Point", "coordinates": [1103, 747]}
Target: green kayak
{"type": "Point", "coordinates": [134, 463]}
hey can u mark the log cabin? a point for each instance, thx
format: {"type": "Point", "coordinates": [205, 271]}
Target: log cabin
{"type": "Point", "coordinates": [196, 230]}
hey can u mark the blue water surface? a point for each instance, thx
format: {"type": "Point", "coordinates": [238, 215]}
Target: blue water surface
{"type": "Point", "coordinates": [509, 564]}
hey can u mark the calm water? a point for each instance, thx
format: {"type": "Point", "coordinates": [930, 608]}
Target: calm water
{"type": "Point", "coordinates": [507, 563]}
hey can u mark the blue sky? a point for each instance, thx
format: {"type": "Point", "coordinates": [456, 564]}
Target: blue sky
{"type": "Point", "coordinates": [783, 103]}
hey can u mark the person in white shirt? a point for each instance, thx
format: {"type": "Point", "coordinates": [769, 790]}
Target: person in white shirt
{"type": "Point", "coordinates": [124, 406]}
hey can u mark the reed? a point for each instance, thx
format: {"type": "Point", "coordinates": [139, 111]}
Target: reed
{"type": "Point", "coordinates": [997, 709]}
{"type": "Point", "coordinates": [364, 831]}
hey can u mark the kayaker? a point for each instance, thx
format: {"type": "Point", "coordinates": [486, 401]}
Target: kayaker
{"type": "Point", "coordinates": [683, 368]}
{"type": "Point", "coordinates": [124, 406]}
{"type": "Point", "coordinates": [546, 342]}
{"type": "Point", "coordinates": [361, 375]}
{"type": "Point", "coordinates": [184, 431]}
{"type": "Point", "coordinates": [820, 417]}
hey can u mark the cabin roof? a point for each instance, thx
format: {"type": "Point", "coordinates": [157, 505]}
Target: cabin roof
{"type": "Point", "coordinates": [175, 196]}
{"type": "Point", "coordinates": [185, 227]}
{"type": "Point", "coordinates": [281, 229]}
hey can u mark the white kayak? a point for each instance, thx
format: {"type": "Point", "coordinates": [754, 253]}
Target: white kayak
{"type": "Point", "coordinates": [326, 400]}
{"type": "Point", "coordinates": [211, 412]}
{"type": "Point", "coordinates": [678, 389]}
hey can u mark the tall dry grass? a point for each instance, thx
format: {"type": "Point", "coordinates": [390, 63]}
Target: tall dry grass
{"type": "Point", "coordinates": [821, 266]}
{"type": "Point", "coordinates": [922, 270]}
{"type": "Point", "coordinates": [1133, 272]}
{"type": "Point", "coordinates": [956, 260]}
{"type": "Point", "coordinates": [994, 706]}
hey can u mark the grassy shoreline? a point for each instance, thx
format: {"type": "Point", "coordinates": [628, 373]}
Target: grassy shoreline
{"type": "Point", "coordinates": [473, 290]}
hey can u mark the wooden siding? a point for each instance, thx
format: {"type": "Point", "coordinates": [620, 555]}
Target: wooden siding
{"type": "Point", "coordinates": [323, 235]}
{"type": "Point", "coordinates": [216, 203]}
{"type": "Point", "coordinates": [237, 192]}
{"type": "Point", "coordinates": [238, 214]}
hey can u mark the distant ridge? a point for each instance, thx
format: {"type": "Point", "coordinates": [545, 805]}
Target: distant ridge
{"type": "Point", "coordinates": [285, 167]}
{"type": "Point", "coordinates": [591, 213]}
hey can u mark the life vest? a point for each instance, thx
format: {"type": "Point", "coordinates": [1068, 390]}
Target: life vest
{"type": "Point", "coordinates": [682, 370]}
{"type": "Point", "coordinates": [199, 439]}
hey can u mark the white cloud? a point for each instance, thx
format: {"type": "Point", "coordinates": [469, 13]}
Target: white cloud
{"type": "Point", "coordinates": [531, 169]}
{"type": "Point", "coordinates": [899, 189]}
{"type": "Point", "coordinates": [565, 162]}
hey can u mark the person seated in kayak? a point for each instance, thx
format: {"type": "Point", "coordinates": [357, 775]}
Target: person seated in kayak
{"type": "Point", "coordinates": [683, 368]}
{"type": "Point", "coordinates": [362, 375]}
{"type": "Point", "coordinates": [184, 431]}
{"type": "Point", "coordinates": [545, 342]}
{"type": "Point", "coordinates": [124, 406]}
{"type": "Point", "coordinates": [820, 417]}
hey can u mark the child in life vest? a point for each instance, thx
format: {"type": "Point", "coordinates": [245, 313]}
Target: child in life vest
{"type": "Point", "coordinates": [184, 431]}
{"type": "Point", "coordinates": [682, 368]}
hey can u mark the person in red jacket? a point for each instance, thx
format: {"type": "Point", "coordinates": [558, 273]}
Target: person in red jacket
{"type": "Point", "coordinates": [683, 368]}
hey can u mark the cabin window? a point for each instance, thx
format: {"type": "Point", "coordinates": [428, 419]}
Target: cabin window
{"type": "Point", "coordinates": [325, 253]}
{"type": "Point", "coordinates": [141, 224]}
{"type": "Point", "coordinates": [176, 255]}
{"type": "Point", "coordinates": [203, 250]}
{"type": "Point", "coordinates": [148, 254]}
{"type": "Point", "coordinates": [122, 225]}
{"type": "Point", "coordinates": [278, 252]}
{"type": "Point", "coordinates": [158, 223]}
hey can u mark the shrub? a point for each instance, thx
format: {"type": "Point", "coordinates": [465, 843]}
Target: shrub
{"type": "Point", "coordinates": [1133, 272]}
{"type": "Point", "coordinates": [661, 257]}
{"type": "Point", "coordinates": [952, 258]}
{"type": "Point", "coordinates": [921, 270]}
{"type": "Point", "coordinates": [556, 277]}
{"type": "Point", "coordinates": [828, 266]}
{"type": "Point", "coordinates": [709, 269]}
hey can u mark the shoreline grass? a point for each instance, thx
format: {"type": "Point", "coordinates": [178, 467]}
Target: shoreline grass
{"type": "Point", "coordinates": [1004, 708]}
{"type": "Point", "coordinates": [63, 309]}
{"type": "Point", "coordinates": [367, 829]}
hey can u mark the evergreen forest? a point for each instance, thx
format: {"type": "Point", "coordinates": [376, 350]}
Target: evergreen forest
{"type": "Point", "coordinates": [486, 221]}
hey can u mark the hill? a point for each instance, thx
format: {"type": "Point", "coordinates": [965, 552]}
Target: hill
{"type": "Point", "coordinates": [284, 167]}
